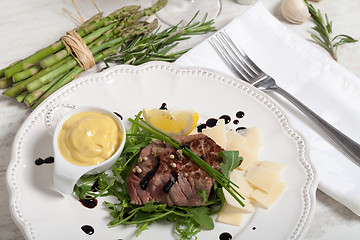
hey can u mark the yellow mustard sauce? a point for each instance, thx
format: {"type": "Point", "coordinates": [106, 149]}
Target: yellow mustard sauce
{"type": "Point", "coordinates": [89, 138]}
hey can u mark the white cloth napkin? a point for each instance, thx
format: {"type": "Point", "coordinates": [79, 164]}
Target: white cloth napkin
{"type": "Point", "coordinates": [314, 78]}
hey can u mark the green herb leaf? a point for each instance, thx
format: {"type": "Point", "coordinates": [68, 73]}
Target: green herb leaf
{"type": "Point", "coordinates": [203, 194]}
{"type": "Point", "coordinates": [231, 160]}
{"type": "Point", "coordinates": [157, 46]}
{"type": "Point", "coordinates": [151, 207]}
{"type": "Point", "coordinates": [187, 229]}
{"type": "Point", "coordinates": [113, 209]}
{"type": "Point", "coordinates": [324, 30]}
{"type": "Point", "coordinates": [201, 216]}
{"type": "Point", "coordinates": [142, 228]}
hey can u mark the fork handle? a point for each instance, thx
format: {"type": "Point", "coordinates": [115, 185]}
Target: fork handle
{"type": "Point", "coordinates": [350, 147]}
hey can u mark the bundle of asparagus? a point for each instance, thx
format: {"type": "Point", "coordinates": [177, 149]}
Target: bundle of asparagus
{"type": "Point", "coordinates": [36, 77]}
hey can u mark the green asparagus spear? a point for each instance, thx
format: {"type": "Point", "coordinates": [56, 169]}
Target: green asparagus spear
{"type": "Point", "coordinates": [21, 97]}
{"type": "Point", "coordinates": [155, 8]}
{"type": "Point", "coordinates": [4, 83]}
{"type": "Point", "coordinates": [26, 73]}
{"type": "Point", "coordinates": [51, 75]}
{"type": "Point", "coordinates": [61, 82]}
{"type": "Point", "coordinates": [21, 86]}
{"type": "Point", "coordinates": [2, 71]}
{"type": "Point", "coordinates": [48, 62]}
{"type": "Point", "coordinates": [35, 95]}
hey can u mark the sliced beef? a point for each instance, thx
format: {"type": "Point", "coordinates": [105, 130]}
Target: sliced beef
{"type": "Point", "coordinates": [164, 175]}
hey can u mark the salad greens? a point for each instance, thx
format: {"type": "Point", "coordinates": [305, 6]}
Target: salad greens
{"type": "Point", "coordinates": [231, 160]}
{"type": "Point", "coordinates": [188, 220]}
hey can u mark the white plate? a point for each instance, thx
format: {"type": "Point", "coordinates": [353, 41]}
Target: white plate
{"type": "Point", "coordinates": [42, 213]}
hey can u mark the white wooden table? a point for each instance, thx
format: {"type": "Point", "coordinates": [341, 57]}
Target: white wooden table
{"type": "Point", "coordinates": [27, 26]}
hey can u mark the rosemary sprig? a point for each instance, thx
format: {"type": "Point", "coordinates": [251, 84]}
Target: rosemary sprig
{"type": "Point", "coordinates": [324, 30]}
{"type": "Point", "coordinates": [158, 46]}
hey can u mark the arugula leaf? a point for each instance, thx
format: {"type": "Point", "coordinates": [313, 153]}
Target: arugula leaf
{"type": "Point", "coordinates": [187, 229]}
{"type": "Point", "coordinates": [203, 194]}
{"type": "Point", "coordinates": [86, 189]}
{"type": "Point", "coordinates": [151, 207]}
{"type": "Point", "coordinates": [142, 228]}
{"type": "Point", "coordinates": [231, 160]}
{"type": "Point", "coordinates": [113, 209]}
{"type": "Point", "coordinates": [201, 216]}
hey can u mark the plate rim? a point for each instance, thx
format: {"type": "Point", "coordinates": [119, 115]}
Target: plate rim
{"type": "Point", "coordinates": [308, 190]}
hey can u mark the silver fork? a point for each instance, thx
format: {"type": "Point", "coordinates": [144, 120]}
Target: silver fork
{"type": "Point", "coordinates": [248, 71]}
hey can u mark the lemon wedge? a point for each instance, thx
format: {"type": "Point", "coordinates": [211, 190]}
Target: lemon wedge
{"type": "Point", "coordinates": [173, 123]}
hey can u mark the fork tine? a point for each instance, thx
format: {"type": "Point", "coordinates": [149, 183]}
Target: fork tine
{"type": "Point", "coordinates": [245, 58]}
{"type": "Point", "coordinates": [235, 65]}
{"type": "Point", "coordinates": [236, 54]}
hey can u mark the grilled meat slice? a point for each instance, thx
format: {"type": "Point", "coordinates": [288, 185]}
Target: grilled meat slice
{"type": "Point", "coordinates": [164, 175]}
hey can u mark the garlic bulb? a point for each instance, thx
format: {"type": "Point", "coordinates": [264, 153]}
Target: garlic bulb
{"type": "Point", "coordinates": [294, 11]}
